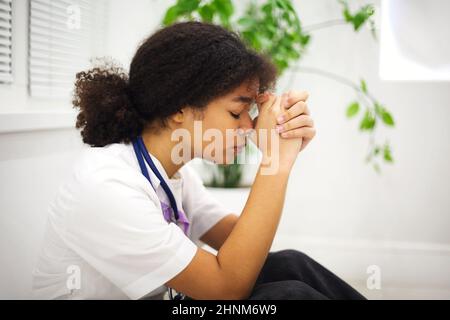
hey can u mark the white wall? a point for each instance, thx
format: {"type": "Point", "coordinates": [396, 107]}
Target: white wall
{"type": "Point", "coordinates": [337, 208]}
{"type": "Point", "coordinates": [32, 166]}
{"type": "Point", "coordinates": [398, 220]}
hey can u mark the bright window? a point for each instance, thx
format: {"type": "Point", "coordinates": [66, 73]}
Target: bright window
{"type": "Point", "coordinates": [415, 40]}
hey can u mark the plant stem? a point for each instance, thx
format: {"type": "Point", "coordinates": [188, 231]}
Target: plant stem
{"type": "Point", "coordinates": [344, 81]}
{"type": "Point", "coordinates": [324, 25]}
{"type": "Point", "coordinates": [330, 75]}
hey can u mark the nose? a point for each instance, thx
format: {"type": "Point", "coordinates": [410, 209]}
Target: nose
{"type": "Point", "coordinates": [246, 122]}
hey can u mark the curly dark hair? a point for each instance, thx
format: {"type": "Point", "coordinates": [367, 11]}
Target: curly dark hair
{"type": "Point", "coordinates": [185, 64]}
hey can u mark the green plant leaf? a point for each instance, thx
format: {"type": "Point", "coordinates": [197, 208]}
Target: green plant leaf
{"type": "Point", "coordinates": [304, 39]}
{"type": "Point", "coordinates": [282, 4]}
{"type": "Point", "coordinates": [246, 22]}
{"type": "Point", "coordinates": [352, 109]}
{"type": "Point", "coordinates": [267, 9]}
{"type": "Point", "coordinates": [206, 13]}
{"type": "Point", "coordinates": [171, 15]}
{"type": "Point", "coordinates": [347, 15]}
{"type": "Point", "coordinates": [186, 6]}
{"type": "Point", "coordinates": [225, 10]}
{"type": "Point", "coordinates": [290, 6]}
{"type": "Point", "coordinates": [387, 155]}
{"type": "Point", "coordinates": [363, 86]}
{"type": "Point", "coordinates": [368, 121]}
{"type": "Point", "coordinates": [385, 116]}
{"type": "Point", "coordinates": [362, 16]}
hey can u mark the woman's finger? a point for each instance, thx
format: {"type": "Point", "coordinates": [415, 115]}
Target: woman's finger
{"type": "Point", "coordinates": [296, 110]}
{"type": "Point", "coordinates": [297, 122]}
{"type": "Point", "coordinates": [295, 96]}
{"type": "Point", "coordinates": [304, 132]}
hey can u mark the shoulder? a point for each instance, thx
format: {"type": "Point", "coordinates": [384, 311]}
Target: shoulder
{"type": "Point", "coordinates": [112, 168]}
{"type": "Point", "coordinates": [109, 159]}
{"type": "Point", "coordinates": [190, 177]}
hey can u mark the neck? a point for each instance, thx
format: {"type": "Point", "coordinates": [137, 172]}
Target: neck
{"type": "Point", "coordinates": [160, 145]}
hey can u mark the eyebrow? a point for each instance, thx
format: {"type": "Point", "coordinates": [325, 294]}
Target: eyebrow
{"type": "Point", "coordinates": [244, 99]}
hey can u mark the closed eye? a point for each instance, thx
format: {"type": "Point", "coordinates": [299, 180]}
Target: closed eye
{"type": "Point", "coordinates": [234, 115]}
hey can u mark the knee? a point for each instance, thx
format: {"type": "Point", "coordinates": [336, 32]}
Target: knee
{"type": "Point", "coordinates": [286, 264]}
{"type": "Point", "coordinates": [288, 256]}
{"type": "Point", "coordinates": [289, 253]}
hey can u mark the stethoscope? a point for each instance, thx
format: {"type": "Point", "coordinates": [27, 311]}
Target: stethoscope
{"type": "Point", "coordinates": [141, 153]}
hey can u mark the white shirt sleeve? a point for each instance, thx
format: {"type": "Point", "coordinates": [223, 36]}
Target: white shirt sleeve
{"type": "Point", "coordinates": [203, 209]}
{"type": "Point", "coordinates": [117, 227]}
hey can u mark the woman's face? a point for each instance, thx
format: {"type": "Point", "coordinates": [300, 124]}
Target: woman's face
{"type": "Point", "coordinates": [222, 123]}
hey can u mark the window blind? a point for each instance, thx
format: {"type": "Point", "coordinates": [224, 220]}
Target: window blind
{"type": "Point", "coordinates": [5, 41]}
{"type": "Point", "coordinates": [63, 36]}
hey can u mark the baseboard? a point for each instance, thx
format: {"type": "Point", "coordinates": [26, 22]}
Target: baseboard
{"type": "Point", "coordinates": [407, 269]}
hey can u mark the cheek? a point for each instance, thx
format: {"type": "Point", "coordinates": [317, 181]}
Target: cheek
{"type": "Point", "coordinates": [222, 122]}
{"type": "Point", "coordinates": [222, 126]}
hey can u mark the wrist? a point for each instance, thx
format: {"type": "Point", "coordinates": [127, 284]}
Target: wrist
{"type": "Point", "coordinates": [274, 166]}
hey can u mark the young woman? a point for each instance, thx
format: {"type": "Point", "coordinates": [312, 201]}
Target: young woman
{"type": "Point", "coordinates": [128, 221]}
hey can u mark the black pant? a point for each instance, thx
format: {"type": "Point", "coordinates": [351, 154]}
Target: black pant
{"type": "Point", "coordinates": [292, 275]}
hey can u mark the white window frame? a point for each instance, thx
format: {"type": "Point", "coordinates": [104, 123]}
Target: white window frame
{"type": "Point", "coordinates": [5, 42]}
{"type": "Point", "coordinates": [20, 112]}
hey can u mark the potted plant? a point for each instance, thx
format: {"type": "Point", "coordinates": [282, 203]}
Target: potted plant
{"type": "Point", "coordinates": [273, 27]}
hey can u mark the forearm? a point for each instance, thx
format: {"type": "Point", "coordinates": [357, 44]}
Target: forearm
{"type": "Point", "coordinates": [243, 254]}
{"type": "Point", "coordinates": [216, 236]}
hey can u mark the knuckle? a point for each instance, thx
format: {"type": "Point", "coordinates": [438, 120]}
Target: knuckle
{"type": "Point", "coordinates": [287, 126]}
{"type": "Point", "coordinates": [303, 106]}
{"type": "Point", "coordinates": [288, 114]}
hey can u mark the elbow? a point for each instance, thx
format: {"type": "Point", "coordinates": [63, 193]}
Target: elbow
{"type": "Point", "coordinates": [240, 295]}
{"type": "Point", "coordinates": [233, 295]}
{"type": "Point", "coordinates": [233, 291]}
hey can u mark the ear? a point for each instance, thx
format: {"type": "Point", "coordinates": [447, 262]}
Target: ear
{"type": "Point", "coordinates": [179, 117]}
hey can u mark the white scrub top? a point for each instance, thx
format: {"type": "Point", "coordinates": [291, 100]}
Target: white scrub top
{"type": "Point", "coordinates": [106, 237]}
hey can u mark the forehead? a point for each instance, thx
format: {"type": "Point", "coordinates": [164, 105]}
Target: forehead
{"type": "Point", "coordinates": [247, 88]}
{"type": "Point", "coordinates": [245, 93]}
